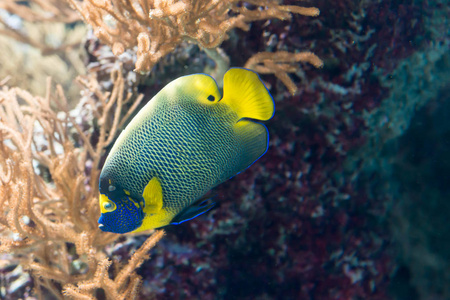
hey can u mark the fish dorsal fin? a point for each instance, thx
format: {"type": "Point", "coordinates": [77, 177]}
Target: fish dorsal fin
{"type": "Point", "coordinates": [245, 93]}
{"type": "Point", "coordinates": [153, 196]}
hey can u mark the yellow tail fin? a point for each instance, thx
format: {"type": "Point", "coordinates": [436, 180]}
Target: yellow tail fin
{"type": "Point", "coordinates": [245, 93]}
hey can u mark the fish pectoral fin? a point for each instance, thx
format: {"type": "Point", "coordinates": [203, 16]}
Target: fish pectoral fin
{"type": "Point", "coordinates": [246, 94]}
{"type": "Point", "coordinates": [153, 196]}
{"type": "Point", "coordinates": [194, 210]}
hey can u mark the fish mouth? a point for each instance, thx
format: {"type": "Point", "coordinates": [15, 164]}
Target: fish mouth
{"type": "Point", "coordinates": [109, 223]}
{"type": "Point", "coordinates": [103, 224]}
{"type": "Point", "coordinates": [121, 230]}
{"type": "Point", "coordinates": [103, 227]}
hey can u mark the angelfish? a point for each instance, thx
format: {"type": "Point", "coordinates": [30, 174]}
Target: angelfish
{"type": "Point", "coordinates": [186, 140]}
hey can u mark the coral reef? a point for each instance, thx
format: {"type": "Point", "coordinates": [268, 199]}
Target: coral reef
{"type": "Point", "coordinates": [405, 158]}
{"type": "Point", "coordinates": [40, 39]}
{"type": "Point", "coordinates": [15, 13]}
{"type": "Point", "coordinates": [50, 162]}
{"type": "Point", "coordinates": [157, 28]}
{"type": "Point", "coordinates": [312, 219]}
{"type": "Point", "coordinates": [418, 167]}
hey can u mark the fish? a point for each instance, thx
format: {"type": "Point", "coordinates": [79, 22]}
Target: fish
{"type": "Point", "coordinates": [186, 140]}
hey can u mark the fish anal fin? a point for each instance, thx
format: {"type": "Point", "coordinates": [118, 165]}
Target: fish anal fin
{"type": "Point", "coordinates": [199, 207]}
{"type": "Point", "coordinates": [246, 94]}
{"type": "Point", "coordinates": [153, 196]}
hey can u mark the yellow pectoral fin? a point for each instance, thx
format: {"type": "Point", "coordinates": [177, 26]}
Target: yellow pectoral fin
{"type": "Point", "coordinates": [162, 218]}
{"type": "Point", "coordinates": [153, 196]}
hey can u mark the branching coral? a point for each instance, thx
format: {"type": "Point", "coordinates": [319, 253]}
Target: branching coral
{"type": "Point", "coordinates": [41, 11]}
{"type": "Point", "coordinates": [36, 41]}
{"type": "Point", "coordinates": [126, 283]}
{"type": "Point", "coordinates": [281, 63]}
{"type": "Point", "coordinates": [156, 28]}
{"type": "Point", "coordinates": [27, 67]}
{"type": "Point", "coordinates": [14, 13]}
{"type": "Point", "coordinates": [50, 163]}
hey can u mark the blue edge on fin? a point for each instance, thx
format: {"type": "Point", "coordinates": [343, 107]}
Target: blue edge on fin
{"type": "Point", "coordinates": [193, 211]}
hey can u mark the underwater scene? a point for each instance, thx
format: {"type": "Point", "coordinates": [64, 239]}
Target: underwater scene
{"type": "Point", "coordinates": [225, 149]}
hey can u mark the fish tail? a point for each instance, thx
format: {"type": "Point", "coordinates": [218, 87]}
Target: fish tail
{"type": "Point", "coordinates": [246, 94]}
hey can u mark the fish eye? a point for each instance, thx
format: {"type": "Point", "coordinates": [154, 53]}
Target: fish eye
{"type": "Point", "coordinates": [211, 98]}
{"type": "Point", "coordinates": [108, 206]}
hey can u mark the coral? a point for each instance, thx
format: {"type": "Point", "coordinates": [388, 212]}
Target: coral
{"type": "Point", "coordinates": [37, 42]}
{"type": "Point", "coordinates": [280, 63]}
{"type": "Point", "coordinates": [126, 283]}
{"type": "Point", "coordinates": [13, 13]}
{"type": "Point", "coordinates": [50, 163]}
{"type": "Point", "coordinates": [40, 11]}
{"type": "Point", "coordinates": [156, 28]}
{"type": "Point", "coordinates": [26, 67]}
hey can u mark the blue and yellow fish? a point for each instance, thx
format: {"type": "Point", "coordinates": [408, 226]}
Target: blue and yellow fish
{"type": "Point", "coordinates": [185, 140]}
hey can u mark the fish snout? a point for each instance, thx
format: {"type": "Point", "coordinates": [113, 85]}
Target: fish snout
{"type": "Point", "coordinates": [111, 222]}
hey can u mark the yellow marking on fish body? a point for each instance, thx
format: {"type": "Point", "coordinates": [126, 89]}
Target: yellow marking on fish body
{"type": "Point", "coordinates": [155, 220]}
{"type": "Point", "coordinates": [134, 202]}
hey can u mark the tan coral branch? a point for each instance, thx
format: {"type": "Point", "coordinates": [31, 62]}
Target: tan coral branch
{"type": "Point", "coordinates": [48, 208]}
{"type": "Point", "coordinates": [281, 63]}
{"type": "Point", "coordinates": [122, 24]}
